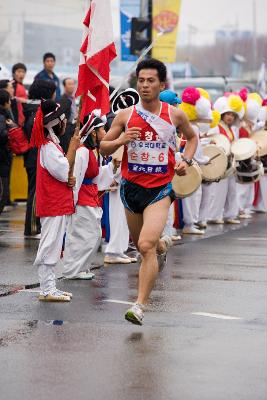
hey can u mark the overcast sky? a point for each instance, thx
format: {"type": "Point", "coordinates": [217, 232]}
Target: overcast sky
{"type": "Point", "coordinates": [209, 15]}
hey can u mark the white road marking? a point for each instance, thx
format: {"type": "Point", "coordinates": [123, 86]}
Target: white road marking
{"type": "Point", "coordinates": [30, 290]}
{"type": "Point", "coordinates": [118, 302]}
{"type": "Point", "coordinates": [250, 239]}
{"type": "Point", "coordinates": [219, 316]}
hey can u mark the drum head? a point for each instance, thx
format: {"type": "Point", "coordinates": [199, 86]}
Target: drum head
{"type": "Point", "coordinates": [222, 141]}
{"type": "Point", "coordinates": [118, 154]}
{"type": "Point", "coordinates": [261, 140]}
{"type": "Point", "coordinates": [244, 148]}
{"type": "Point", "coordinates": [186, 185]}
{"type": "Point", "coordinates": [217, 166]}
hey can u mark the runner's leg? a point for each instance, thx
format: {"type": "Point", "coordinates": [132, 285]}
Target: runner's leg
{"type": "Point", "coordinates": [154, 217]}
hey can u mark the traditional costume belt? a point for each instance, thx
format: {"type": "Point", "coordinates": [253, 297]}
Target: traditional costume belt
{"type": "Point", "coordinates": [87, 181]}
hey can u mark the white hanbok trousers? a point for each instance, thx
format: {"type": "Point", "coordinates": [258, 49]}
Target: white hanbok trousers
{"type": "Point", "coordinates": [224, 200]}
{"type": "Point", "coordinates": [83, 238]}
{"type": "Point", "coordinates": [245, 196]}
{"type": "Point", "coordinates": [119, 232]}
{"type": "Point", "coordinates": [262, 196]}
{"type": "Point", "coordinates": [49, 251]}
{"type": "Point", "coordinates": [191, 206]}
{"type": "Point", "coordinates": [204, 209]}
{"type": "Point", "coordinates": [169, 229]}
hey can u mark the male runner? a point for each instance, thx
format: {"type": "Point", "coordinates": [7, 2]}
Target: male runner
{"type": "Point", "coordinates": [148, 132]}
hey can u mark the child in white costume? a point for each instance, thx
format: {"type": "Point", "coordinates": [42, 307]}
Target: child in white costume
{"type": "Point", "coordinates": [224, 205]}
{"type": "Point", "coordinates": [54, 197]}
{"type": "Point", "coordinates": [83, 235]}
{"type": "Point", "coordinates": [245, 192]}
{"type": "Point", "coordinates": [196, 104]}
{"type": "Point", "coordinates": [260, 199]}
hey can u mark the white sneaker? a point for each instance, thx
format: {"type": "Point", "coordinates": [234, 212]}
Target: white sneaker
{"type": "Point", "coordinates": [84, 275]}
{"type": "Point", "coordinates": [135, 314]}
{"type": "Point", "coordinates": [201, 225]}
{"type": "Point", "coordinates": [168, 241]}
{"type": "Point", "coordinates": [232, 221]}
{"type": "Point", "coordinates": [176, 238]}
{"type": "Point", "coordinates": [116, 260]}
{"type": "Point", "coordinates": [191, 230]}
{"type": "Point", "coordinates": [132, 259]}
{"type": "Point", "coordinates": [245, 216]}
{"type": "Point", "coordinates": [216, 222]}
{"type": "Point", "coordinates": [56, 296]}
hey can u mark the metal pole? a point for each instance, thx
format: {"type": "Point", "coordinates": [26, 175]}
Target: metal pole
{"type": "Point", "coordinates": [255, 47]}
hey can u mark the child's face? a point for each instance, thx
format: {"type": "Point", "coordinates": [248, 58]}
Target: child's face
{"type": "Point", "coordinates": [228, 118]}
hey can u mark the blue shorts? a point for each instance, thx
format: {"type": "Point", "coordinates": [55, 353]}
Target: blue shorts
{"type": "Point", "coordinates": [136, 198]}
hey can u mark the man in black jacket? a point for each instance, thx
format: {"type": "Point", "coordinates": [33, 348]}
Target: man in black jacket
{"type": "Point", "coordinates": [40, 89]}
{"type": "Point", "coordinates": [5, 153]}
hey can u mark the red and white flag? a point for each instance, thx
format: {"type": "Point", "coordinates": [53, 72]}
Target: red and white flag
{"type": "Point", "coordinates": [96, 53]}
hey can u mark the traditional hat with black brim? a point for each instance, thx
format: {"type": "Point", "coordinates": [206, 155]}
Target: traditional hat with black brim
{"type": "Point", "coordinates": [55, 117]}
{"type": "Point", "coordinates": [125, 99]}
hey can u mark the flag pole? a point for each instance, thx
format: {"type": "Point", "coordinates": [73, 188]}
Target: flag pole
{"type": "Point", "coordinates": [147, 49]}
{"type": "Point", "coordinates": [77, 129]}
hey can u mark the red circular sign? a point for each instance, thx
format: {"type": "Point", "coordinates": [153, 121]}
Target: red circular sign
{"type": "Point", "coordinates": [165, 21]}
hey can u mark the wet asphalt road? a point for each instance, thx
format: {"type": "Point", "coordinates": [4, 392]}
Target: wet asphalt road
{"type": "Point", "coordinates": [204, 336]}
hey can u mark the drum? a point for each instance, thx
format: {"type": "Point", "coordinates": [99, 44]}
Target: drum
{"type": "Point", "coordinates": [215, 169]}
{"type": "Point", "coordinates": [184, 186]}
{"type": "Point", "coordinates": [118, 154]}
{"type": "Point", "coordinates": [222, 142]}
{"type": "Point", "coordinates": [248, 168]}
{"type": "Point", "coordinates": [261, 140]}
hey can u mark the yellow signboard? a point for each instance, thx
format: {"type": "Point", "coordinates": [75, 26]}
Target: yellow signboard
{"type": "Point", "coordinates": [165, 18]}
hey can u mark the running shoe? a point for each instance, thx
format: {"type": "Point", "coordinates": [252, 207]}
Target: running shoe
{"type": "Point", "coordinates": [162, 260]}
{"type": "Point", "coordinates": [63, 293]}
{"type": "Point", "coordinates": [135, 314]}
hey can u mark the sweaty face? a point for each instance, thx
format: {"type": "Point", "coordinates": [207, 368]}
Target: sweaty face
{"type": "Point", "coordinates": [229, 118]}
{"type": "Point", "coordinates": [149, 85]}
{"type": "Point", "coordinates": [19, 75]}
{"type": "Point", "coordinates": [49, 64]}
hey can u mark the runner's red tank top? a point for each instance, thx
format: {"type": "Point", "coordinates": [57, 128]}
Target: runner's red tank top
{"type": "Point", "coordinates": [148, 161]}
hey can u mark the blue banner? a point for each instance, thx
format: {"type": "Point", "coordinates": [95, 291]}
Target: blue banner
{"type": "Point", "coordinates": [128, 10]}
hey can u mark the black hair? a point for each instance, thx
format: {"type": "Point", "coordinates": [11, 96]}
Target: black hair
{"type": "Point", "coordinates": [41, 89]}
{"type": "Point", "coordinates": [4, 83]}
{"type": "Point", "coordinates": [18, 66]}
{"type": "Point", "coordinates": [65, 79]}
{"type": "Point", "coordinates": [47, 107]}
{"type": "Point", "coordinates": [49, 55]}
{"type": "Point", "coordinates": [152, 63]}
{"type": "Point", "coordinates": [4, 97]}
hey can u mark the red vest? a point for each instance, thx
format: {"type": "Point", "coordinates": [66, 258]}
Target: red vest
{"type": "Point", "coordinates": [243, 133]}
{"type": "Point", "coordinates": [53, 198]}
{"type": "Point", "coordinates": [228, 133]}
{"type": "Point", "coordinates": [152, 164]}
{"type": "Point", "coordinates": [88, 193]}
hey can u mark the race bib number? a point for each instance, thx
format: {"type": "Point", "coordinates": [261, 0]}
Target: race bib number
{"type": "Point", "coordinates": [149, 157]}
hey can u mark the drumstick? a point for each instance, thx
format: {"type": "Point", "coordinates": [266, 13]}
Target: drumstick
{"type": "Point", "coordinates": [213, 158]}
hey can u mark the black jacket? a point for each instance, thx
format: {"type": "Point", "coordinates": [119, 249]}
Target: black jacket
{"type": "Point", "coordinates": [5, 153]}
{"type": "Point", "coordinates": [30, 158]}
